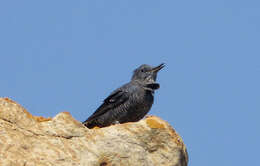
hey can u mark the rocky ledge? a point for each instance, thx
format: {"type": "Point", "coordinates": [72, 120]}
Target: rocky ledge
{"type": "Point", "coordinates": [27, 140]}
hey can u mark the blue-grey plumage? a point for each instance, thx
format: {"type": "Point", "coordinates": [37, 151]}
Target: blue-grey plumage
{"type": "Point", "coordinates": [129, 103]}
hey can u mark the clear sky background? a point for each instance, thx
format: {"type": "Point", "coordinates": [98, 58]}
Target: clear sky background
{"type": "Point", "coordinates": [69, 55]}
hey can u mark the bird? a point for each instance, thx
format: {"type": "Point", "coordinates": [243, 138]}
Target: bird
{"type": "Point", "coordinates": [130, 102]}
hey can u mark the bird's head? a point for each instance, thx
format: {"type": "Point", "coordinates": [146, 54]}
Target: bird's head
{"type": "Point", "coordinates": [147, 74]}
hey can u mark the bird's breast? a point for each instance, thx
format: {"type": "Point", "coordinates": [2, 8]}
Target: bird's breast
{"type": "Point", "coordinates": [144, 100]}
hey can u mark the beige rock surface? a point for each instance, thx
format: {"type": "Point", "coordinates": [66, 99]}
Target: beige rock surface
{"type": "Point", "coordinates": [27, 140]}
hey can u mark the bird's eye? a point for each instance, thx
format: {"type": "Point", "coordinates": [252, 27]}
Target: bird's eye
{"type": "Point", "coordinates": [142, 70]}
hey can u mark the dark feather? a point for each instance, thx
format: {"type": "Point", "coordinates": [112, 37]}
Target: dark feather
{"type": "Point", "coordinates": [153, 86]}
{"type": "Point", "coordinates": [112, 101]}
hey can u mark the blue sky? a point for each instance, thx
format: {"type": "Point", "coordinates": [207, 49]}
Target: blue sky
{"type": "Point", "coordinates": [69, 55]}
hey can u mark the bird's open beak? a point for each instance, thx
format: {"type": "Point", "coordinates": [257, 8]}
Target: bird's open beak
{"type": "Point", "coordinates": [158, 68]}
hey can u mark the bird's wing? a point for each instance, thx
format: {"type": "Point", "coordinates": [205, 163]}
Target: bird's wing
{"type": "Point", "coordinates": [113, 100]}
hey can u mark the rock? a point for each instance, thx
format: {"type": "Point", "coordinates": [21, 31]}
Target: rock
{"type": "Point", "coordinates": [27, 140]}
